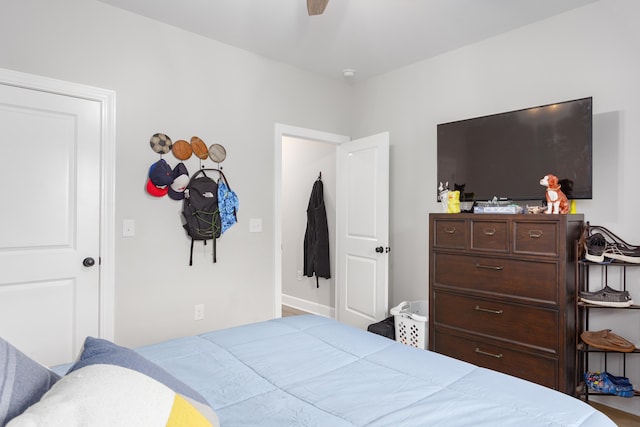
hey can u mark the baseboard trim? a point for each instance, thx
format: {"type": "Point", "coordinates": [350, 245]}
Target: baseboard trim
{"type": "Point", "coordinates": [308, 306]}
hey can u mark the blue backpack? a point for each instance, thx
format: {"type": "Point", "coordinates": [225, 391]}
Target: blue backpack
{"type": "Point", "coordinates": [227, 203]}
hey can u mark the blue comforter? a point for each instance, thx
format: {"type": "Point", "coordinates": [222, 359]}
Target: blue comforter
{"type": "Point", "coordinates": [314, 371]}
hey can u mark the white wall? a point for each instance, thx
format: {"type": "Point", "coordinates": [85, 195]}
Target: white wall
{"type": "Point", "coordinates": [302, 161]}
{"type": "Point", "coordinates": [172, 81]}
{"type": "Point", "coordinates": [591, 51]}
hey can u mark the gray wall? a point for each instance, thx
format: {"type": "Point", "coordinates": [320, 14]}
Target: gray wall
{"type": "Point", "coordinates": [172, 81]}
{"type": "Point", "coordinates": [591, 51]}
{"type": "Point", "coordinates": [585, 52]}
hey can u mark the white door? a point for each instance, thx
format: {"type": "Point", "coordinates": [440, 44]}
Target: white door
{"type": "Point", "coordinates": [363, 231]}
{"type": "Point", "coordinates": [49, 222]}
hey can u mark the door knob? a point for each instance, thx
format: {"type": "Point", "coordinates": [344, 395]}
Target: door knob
{"type": "Point", "coordinates": [380, 249]}
{"type": "Point", "coordinates": [88, 262]}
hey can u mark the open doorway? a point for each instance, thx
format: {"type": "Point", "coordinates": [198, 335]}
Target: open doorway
{"type": "Point", "coordinates": [301, 155]}
{"type": "Point", "coordinates": [303, 162]}
{"type": "Point", "coordinates": [361, 233]}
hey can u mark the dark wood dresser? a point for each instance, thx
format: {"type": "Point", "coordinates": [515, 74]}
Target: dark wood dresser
{"type": "Point", "coordinates": [502, 293]}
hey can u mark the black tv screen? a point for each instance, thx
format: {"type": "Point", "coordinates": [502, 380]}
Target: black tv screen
{"type": "Point", "coordinates": [505, 155]}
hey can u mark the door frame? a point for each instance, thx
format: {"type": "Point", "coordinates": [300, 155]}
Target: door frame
{"type": "Point", "coordinates": [282, 130]}
{"type": "Point", "coordinates": [107, 100]}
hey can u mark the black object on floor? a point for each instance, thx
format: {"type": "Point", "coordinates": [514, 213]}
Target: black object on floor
{"type": "Point", "coordinates": [386, 328]}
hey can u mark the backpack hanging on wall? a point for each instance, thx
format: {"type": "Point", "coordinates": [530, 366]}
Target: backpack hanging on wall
{"type": "Point", "coordinates": [227, 203]}
{"type": "Point", "coordinates": [200, 210]}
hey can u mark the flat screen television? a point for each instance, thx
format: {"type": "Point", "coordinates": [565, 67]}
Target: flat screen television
{"type": "Point", "coordinates": [505, 155]}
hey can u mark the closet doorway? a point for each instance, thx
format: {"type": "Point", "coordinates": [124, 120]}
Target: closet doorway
{"type": "Point", "coordinates": [357, 200]}
{"type": "Point", "coordinates": [305, 156]}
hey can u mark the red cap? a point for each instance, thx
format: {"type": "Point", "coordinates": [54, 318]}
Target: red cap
{"type": "Point", "coordinates": [156, 191]}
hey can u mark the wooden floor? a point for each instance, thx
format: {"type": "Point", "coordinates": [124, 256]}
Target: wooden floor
{"type": "Point", "coordinates": [622, 419]}
{"type": "Point", "coordinates": [290, 311]}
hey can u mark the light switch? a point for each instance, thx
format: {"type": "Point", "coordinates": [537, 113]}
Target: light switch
{"type": "Point", "coordinates": [128, 228]}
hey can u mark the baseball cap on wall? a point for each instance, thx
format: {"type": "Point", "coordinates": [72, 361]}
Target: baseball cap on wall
{"type": "Point", "coordinates": [156, 191]}
{"type": "Point", "coordinates": [160, 177]}
{"type": "Point", "coordinates": [160, 173]}
{"type": "Point", "coordinates": [180, 182]}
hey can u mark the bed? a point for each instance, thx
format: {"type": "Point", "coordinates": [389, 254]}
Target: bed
{"type": "Point", "coordinates": [310, 371]}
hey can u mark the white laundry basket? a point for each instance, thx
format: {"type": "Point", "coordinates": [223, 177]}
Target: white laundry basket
{"type": "Point", "coordinates": [410, 318]}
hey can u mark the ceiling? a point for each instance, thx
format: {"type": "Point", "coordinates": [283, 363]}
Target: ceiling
{"type": "Point", "coordinates": [368, 36]}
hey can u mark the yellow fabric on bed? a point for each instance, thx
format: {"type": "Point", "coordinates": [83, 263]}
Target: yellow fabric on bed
{"type": "Point", "coordinates": [184, 414]}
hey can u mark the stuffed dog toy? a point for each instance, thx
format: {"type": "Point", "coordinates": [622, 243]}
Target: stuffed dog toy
{"type": "Point", "coordinates": [557, 202]}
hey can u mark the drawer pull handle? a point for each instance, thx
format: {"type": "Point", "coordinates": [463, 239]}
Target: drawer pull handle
{"type": "Point", "coordinates": [497, 356]}
{"type": "Point", "coordinates": [490, 267]}
{"type": "Point", "coordinates": [489, 231]}
{"type": "Point", "coordinates": [487, 310]}
{"type": "Point", "coordinates": [449, 230]}
{"type": "Point", "coordinates": [535, 234]}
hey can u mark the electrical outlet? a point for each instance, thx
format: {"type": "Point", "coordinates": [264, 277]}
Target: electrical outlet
{"type": "Point", "coordinates": [198, 312]}
{"type": "Point", "coordinates": [299, 275]}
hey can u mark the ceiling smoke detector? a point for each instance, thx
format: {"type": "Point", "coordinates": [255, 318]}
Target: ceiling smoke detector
{"type": "Point", "coordinates": [348, 73]}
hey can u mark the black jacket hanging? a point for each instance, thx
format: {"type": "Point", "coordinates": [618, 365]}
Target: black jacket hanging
{"type": "Point", "coordinates": [316, 237]}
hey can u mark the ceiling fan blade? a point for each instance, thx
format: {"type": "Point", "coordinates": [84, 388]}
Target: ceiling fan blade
{"type": "Point", "coordinates": [316, 7]}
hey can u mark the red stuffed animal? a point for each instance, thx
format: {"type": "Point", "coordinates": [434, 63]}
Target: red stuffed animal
{"type": "Point", "coordinates": [557, 202]}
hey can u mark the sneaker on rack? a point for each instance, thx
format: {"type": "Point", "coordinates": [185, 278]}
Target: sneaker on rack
{"type": "Point", "coordinates": [614, 247]}
{"type": "Point", "coordinates": [607, 297]}
{"type": "Point", "coordinates": [604, 382]}
{"type": "Point", "coordinates": [595, 247]}
{"type": "Point", "coordinates": [622, 252]}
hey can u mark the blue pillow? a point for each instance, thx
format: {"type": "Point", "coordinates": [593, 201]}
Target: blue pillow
{"type": "Point", "coordinates": [100, 351]}
{"type": "Point", "coordinates": [23, 381]}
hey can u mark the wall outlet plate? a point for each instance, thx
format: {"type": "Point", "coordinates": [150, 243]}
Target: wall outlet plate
{"type": "Point", "coordinates": [198, 312]}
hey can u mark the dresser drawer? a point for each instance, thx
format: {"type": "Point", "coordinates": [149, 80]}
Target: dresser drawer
{"type": "Point", "coordinates": [526, 280]}
{"type": "Point", "coordinates": [450, 233]}
{"type": "Point", "coordinates": [536, 238]}
{"type": "Point", "coordinates": [515, 323]}
{"type": "Point", "coordinates": [490, 235]}
{"type": "Point", "coordinates": [536, 368]}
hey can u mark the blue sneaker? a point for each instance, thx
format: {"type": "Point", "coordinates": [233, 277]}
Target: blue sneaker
{"type": "Point", "coordinates": [604, 382]}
